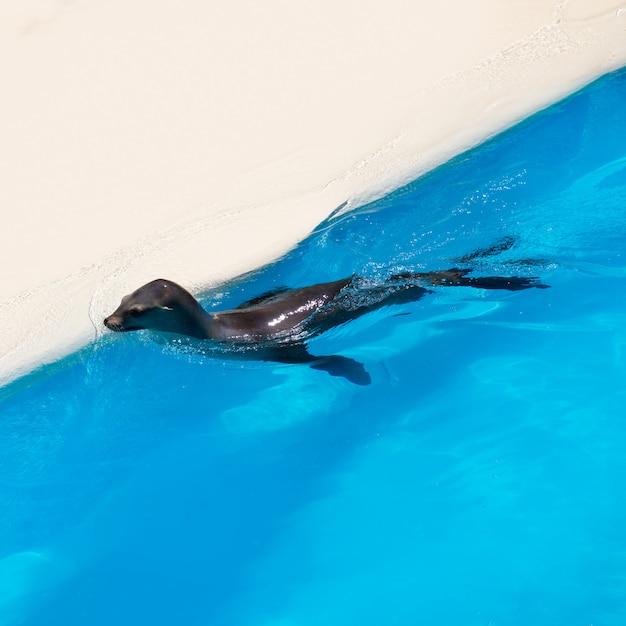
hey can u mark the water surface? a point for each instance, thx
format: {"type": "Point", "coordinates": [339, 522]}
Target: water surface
{"type": "Point", "coordinates": [479, 480]}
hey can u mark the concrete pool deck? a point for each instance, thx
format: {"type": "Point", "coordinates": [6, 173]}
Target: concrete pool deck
{"type": "Point", "coordinates": [197, 141]}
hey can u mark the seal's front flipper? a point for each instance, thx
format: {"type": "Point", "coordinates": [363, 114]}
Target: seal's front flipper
{"type": "Point", "coordinates": [337, 365]}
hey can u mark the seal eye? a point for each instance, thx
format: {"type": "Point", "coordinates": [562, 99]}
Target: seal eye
{"type": "Point", "coordinates": [136, 311]}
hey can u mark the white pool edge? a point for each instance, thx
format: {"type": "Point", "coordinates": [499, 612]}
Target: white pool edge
{"type": "Point", "coordinates": [254, 215]}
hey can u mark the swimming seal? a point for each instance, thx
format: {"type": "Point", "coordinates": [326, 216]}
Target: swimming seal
{"type": "Point", "coordinates": [276, 325]}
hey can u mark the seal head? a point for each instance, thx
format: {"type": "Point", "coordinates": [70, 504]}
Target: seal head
{"type": "Point", "coordinates": [161, 305]}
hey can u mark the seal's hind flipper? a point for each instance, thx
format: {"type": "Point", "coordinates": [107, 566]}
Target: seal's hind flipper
{"type": "Point", "coordinates": [459, 278]}
{"type": "Point", "coordinates": [349, 369]}
{"type": "Point", "coordinates": [504, 244]}
{"type": "Point", "coordinates": [510, 283]}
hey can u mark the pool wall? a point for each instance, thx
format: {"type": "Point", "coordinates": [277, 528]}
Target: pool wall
{"type": "Point", "coordinates": [143, 139]}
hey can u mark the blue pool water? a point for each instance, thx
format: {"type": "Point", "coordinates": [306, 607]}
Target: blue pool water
{"type": "Point", "coordinates": [480, 479]}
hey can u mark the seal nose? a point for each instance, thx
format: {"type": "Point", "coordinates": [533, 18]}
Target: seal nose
{"type": "Point", "coordinates": [109, 322]}
{"type": "Point", "coordinates": [114, 323]}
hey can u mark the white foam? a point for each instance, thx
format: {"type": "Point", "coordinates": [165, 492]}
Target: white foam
{"type": "Point", "coordinates": [199, 140]}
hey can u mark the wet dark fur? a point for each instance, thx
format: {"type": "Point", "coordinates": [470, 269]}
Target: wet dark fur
{"type": "Point", "coordinates": [276, 326]}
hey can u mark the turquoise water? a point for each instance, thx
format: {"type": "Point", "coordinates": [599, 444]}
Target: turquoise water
{"type": "Point", "coordinates": [480, 479]}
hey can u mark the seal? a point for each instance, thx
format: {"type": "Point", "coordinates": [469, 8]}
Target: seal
{"type": "Point", "coordinates": [275, 326]}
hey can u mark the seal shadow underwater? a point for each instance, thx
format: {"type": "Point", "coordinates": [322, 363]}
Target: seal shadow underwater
{"type": "Point", "coordinates": [275, 326]}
